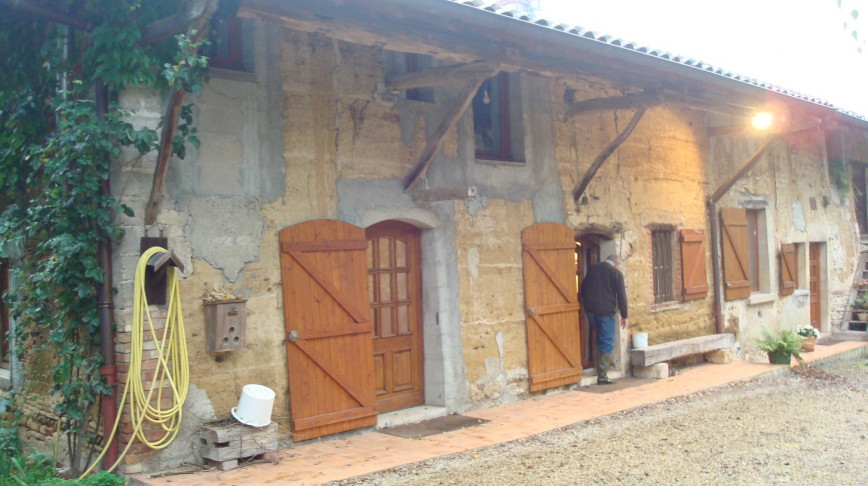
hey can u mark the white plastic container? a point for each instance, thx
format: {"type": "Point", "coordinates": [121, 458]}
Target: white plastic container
{"type": "Point", "coordinates": [640, 339]}
{"type": "Point", "coordinates": [255, 406]}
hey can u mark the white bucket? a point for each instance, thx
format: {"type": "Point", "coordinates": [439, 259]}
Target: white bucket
{"type": "Point", "coordinates": [640, 339]}
{"type": "Point", "coordinates": [254, 407]}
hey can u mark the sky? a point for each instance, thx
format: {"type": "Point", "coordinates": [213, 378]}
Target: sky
{"type": "Point", "coordinates": [800, 45]}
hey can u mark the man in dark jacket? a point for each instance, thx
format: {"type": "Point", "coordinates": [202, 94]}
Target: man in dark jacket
{"type": "Point", "coordinates": [602, 291]}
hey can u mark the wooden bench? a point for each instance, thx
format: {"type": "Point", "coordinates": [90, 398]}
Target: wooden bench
{"type": "Point", "coordinates": [645, 359]}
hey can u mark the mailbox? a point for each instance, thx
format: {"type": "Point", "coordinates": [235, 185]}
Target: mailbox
{"type": "Point", "coordinates": [225, 325]}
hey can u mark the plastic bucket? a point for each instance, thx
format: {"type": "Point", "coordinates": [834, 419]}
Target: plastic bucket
{"type": "Point", "coordinates": [640, 339]}
{"type": "Point", "coordinates": [254, 407]}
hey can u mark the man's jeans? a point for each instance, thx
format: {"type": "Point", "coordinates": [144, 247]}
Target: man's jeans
{"type": "Point", "coordinates": [604, 326]}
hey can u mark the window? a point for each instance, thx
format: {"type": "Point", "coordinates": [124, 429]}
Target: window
{"type": "Point", "coordinates": [225, 49]}
{"type": "Point", "coordinates": [415, 63]}
{"type": "Point", "coordinates": [661, 251]}
{"type": "Point", "coordinates": [745, 252]}
{"type": "Point", "coordinates": [496, 115]}
{"type": "Point", "coordinates": [792, 277]}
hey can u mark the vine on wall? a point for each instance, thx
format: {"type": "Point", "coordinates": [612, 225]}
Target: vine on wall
{"type": "Point", "coordinates": [55, 155]}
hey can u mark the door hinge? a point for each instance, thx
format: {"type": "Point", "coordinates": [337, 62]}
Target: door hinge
{"type": "Point", "coordinates": [292, 336]}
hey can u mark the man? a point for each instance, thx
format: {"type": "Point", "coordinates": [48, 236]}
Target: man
{"type": "Point", "coordinates": [603, 290]}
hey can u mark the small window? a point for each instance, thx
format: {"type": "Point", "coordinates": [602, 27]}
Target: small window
{"type": "Point", "coordinates": [414, 63]}
{"type": "Point", "coordinates": [661, 249]}
{"type": "Point", "coordinates": [225, 49]}
{"type": "Point", "coordinates": [491, 119]}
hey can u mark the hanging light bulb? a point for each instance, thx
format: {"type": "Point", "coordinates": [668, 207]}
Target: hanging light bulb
{"type": "Point", "coordinates": [485, 98]}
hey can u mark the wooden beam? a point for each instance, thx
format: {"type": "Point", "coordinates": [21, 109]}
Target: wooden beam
{"type": "Point", "coordinates": [683, 347]}
{"type": "Point", "coordinates": [443, 194]}
{"type": "Point", "coordinates": [598, 162]}
{"type": "Point", "coordinates": [439, 76]}
{"type": "Point", "coordinates": [626, 102]}
{"type": "Point", "coordinates": [435, 141]}
{"type": "Point", "coordinates": [48, 11]}
{"type": "Point", "coordinates": [187, 18]}
{"type": "Point", "coordinates": [196, 30]}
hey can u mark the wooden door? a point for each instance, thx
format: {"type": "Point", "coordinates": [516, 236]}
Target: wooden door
{"type": "Point", "coordinates": [587, 255]}
{"type": "Point", "coordinates": [551, 305]}
{"type": "Point", "coordinates": [394, 292]}
{"type": "Point", "coordinates": [814, 283]}
{"type": "Point", "coordinates": [327, 317]}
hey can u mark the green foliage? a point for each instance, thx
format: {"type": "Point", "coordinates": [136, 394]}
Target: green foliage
{"type": "Point", "coordinates": [56, 151]}
{"type": "Point", "coordinates": [785, 341]}
{"type": "Point", "coordinates": [840, 174]}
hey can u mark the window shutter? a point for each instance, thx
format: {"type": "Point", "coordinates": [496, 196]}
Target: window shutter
{"type": "Point", "coordinates": [788, 268]}
{"type": "Point", "coordinates": [734, 245]}
{"type": "Point", "coordinates": [693, 275]}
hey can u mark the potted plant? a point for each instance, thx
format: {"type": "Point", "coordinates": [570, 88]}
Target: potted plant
{"type": "Point", "coordinates": [781, 346]}
{"type": "Point", "coordinates": [861, 306]}
{"type": "Point", "coordinates": [810, 335]}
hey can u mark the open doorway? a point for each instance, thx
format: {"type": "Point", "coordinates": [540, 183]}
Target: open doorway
{"type": "Point", "coordinates": [587, 254]}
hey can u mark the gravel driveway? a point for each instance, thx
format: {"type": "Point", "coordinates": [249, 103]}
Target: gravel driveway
{"type": "Point", "coordinates": [806, 427]}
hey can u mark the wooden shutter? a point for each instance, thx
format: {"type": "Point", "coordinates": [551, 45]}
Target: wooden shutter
{"type": "Point", "coordinates": [329, 339]}
{"type": "Point", "coordinates": [693, 275]}
{"type": "Point", "coordinates": [788, 268]}
{"type": "Point", "coordinates": [554, 353]}
{"type": "Point", "coordinates": [733, 237]}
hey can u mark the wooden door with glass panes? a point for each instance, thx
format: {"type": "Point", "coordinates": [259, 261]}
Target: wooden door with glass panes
{"type": "Point", "coordinates": [394, 291]}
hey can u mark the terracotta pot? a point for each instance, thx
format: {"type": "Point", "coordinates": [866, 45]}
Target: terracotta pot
{"type": "Point", "coordinates": [808, 344]}
{"type": "Point", "coordinates": [863, 316]}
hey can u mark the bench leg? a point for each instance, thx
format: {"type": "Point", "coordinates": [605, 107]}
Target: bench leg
{"type": "Point", "coordinates": [720, 356]}
{"type": "Point", "coordinates": [658, 371]}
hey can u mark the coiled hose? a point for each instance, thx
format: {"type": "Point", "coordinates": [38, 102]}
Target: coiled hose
{"type": "Point", "coordinates": [173, 367]}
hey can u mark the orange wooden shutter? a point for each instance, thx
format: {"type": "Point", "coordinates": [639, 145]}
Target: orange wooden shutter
{"type": "Point", "coordinates": [552, 306]}
{"type": "Point", "coordinates": [734, 244]}
{"type": "Point", "coordinates": [788, 268]}
{"type": "Point", "coordinates": [693, 276]}
{"type": "Point", "coordinates": [329, 347]}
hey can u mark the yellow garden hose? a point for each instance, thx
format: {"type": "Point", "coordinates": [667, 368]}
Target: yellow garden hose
{"type": "Point", "coordinates": [173, 368]}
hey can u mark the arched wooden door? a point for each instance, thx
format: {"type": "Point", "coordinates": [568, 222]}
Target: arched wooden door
{"type": "Point", "coordinates": [329, 349]}
{"type": "Point", "coordinates": [395, 295]}
{"type": "Point", "coordinates": [551, 305]}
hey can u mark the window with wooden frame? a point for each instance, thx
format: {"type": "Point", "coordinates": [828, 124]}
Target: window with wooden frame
{"type": "Point", "coordinates": [225, 51]}
{"type": "Point", "coordinates": [661, 252]}
{"type": "Point", "coordinates": [415, 63]}
{"type": "Point", "coordinates": [496, 119]}
{"type": "Point", "coordinates": [744, 242]}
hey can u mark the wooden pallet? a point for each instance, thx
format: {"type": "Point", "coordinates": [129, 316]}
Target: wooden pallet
{"type": "Point", "coordinates": [226, 442]}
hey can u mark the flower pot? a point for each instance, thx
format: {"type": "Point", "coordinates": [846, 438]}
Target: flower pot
{"type": "Point", "coordinates": [780, 357]}
{"type": "Point", "coordinates": [863, 315]}
{"type": "Point", "coordinates": [808, 344]}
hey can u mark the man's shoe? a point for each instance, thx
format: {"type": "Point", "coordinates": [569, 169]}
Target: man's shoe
{"type": "Point", "coordinates": [605, 380]}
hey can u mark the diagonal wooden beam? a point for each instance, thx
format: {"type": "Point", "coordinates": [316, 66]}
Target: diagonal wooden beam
{"type": "Point", "coordinates": [598, 162]}
{"type": "Point", "coordinates": [440, 76]}
{"type": "Point", "coordinates": [196, 30]}
{"type": "Point", "coordinates": [186, 17]}
{"type": "Point", "coordinates": [435, 141]}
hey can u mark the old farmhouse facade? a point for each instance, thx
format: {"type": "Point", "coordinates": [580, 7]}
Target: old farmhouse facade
{"type": "Point", "coordinates": [404, 196]}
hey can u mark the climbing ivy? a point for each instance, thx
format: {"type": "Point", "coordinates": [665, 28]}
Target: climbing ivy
{"type": "Point", "coordinates": [55, 155]}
